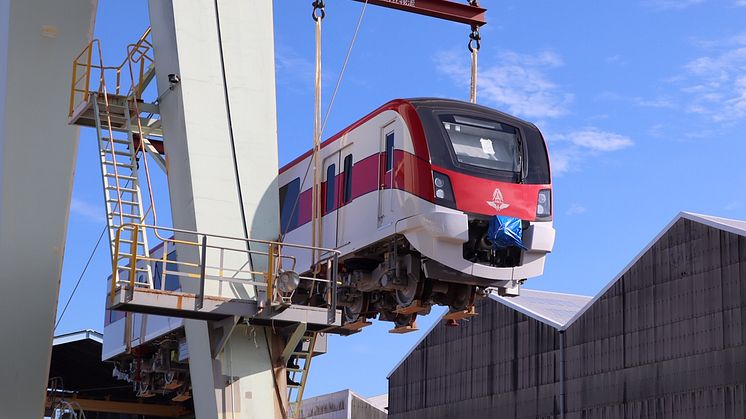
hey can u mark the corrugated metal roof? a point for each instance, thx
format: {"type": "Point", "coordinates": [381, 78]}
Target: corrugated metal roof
{"type": "Point", "coordinates": [727, 224]}
{"type": "Point", "coordinates": [552, 308]}
{"type": "Point", "coordinates": [381, 402]}
{"type": "Point", "coordinates": [79, 335]}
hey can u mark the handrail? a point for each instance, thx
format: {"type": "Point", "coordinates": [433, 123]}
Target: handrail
{"type": "Point", "coordinates": [137, 53]}
{"type": "Point", "coordinates": [199, 268]}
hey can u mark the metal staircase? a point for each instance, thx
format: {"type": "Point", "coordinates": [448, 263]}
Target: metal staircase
{"type": "Point", "coordinates": [122, 196]}
{"type": "Point", "coordinates": [298, 373]}
{"type": "Point", "coordinates": [121, 132]}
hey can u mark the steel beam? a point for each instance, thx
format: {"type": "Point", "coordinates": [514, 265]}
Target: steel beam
{"type": "Point", "coordinates": [441, 9]}
{"type": "Point", "coordinates": [38, 39]}
{"type": "Point", "coordinates": [128, 408]}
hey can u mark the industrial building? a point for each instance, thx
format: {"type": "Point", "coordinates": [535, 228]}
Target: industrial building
{"type": "Point", "coordinates": [96, 391]}
{"type": "Point", "coordinates": [664, 339]}
{"type": "Point", "coordinates": [344, 404]}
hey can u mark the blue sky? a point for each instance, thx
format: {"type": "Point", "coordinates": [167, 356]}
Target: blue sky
{"type": "Point", "coordinates": [643, 103]}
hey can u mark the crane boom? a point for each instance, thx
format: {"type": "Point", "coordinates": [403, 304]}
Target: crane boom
{"type": "Point", "coordinates": [441, 9]}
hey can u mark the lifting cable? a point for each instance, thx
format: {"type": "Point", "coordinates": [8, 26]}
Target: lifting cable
{"type": "Point", "coordinates": [328, 111]}
{"type": "Point", "coordinates": [474, 45]}
{"type": "Point", "coordinates": [318, 15]}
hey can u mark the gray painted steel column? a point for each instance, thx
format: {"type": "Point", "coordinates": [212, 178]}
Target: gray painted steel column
{"type": "Point", "coordinates": [38, 40]}
{"type": "Point", "coordinates": [220, 133]}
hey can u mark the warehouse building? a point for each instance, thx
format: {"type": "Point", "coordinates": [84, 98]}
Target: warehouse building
{"type": "Point", "coordinates": [345, 404]}
{"type": "Point", "coordinates": [664, 339]}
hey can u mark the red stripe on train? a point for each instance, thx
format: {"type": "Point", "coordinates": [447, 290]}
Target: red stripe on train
{"type": "Point", "coordinates": [474, 195]}
{"type": "Point", "coordinates": [411, 174]}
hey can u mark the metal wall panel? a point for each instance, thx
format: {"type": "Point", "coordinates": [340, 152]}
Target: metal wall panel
{"type": "Point", "coordinates": [502, 361]}
{"type": "Point", "coordinates": [665, 341]}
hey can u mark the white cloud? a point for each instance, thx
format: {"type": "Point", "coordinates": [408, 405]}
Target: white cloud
{"type": "Point", "coordinates": [615, 59]}
{"type": "Point", "coordinates": [594, 139]}
{"type": "Point", "coordinates": [563, 160]}
{"type": "Point", "coordinates": [716, 82]}
{"type": "Point", "coordinates": [86, 210]}
{"type": "Point", "coordinates": [576, 209]}
{"type": "Point", "coordinates": [734, 205]}
{"type": "Point", "coordinates": [569, 150]}
{"type": "Point", "coordinates": [671, 4]}
{"type": "Point", "coordinates": [517, 82]}
{"type": "Point", "coordinates": [656, 130]}
{"type": "Point", "coordinates": [293, 68]}
{"type": "Point", "coordinates": [659, 102]}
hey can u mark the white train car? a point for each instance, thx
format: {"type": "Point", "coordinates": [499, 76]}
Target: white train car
{"type": "Point", "coordinates": [408, 196]}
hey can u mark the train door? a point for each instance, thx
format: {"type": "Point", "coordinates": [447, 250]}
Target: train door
{"type": "Point", "coordinates": [350, 221]}
{"type": "Point", "coordinates": [330, 201]}
{"type": "Point", "coordinates": [386, 176]}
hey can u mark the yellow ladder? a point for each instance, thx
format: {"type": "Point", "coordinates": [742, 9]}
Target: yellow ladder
{"type": "Point", "coordinates": [299, 372]}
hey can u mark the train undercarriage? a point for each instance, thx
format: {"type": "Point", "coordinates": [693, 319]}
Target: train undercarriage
{"type": "Point", "coordinates": [392, 281]}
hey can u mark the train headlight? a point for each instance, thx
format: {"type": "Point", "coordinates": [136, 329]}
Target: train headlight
{"type": "Point", "coordinates": [544, 203]}
{"type": "Point", "coordinates": [443, 190]}
{"type": "Point", "coordinates": [288, 281]}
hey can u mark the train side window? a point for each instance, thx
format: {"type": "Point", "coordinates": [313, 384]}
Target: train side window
{"type": "Point", "coordinates": [288, 207]}
{"type": "Point", "coordinates": [389, 151]}
{"type": "Point", "coordinates": [331, 195]}
{"type": "Point", "coordinates": [347, 192]}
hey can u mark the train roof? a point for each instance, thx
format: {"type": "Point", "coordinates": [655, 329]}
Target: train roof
{"type": "Point", "coordinates": [417, 103]}
{"type": "Point", "coordinates": [434, 102]}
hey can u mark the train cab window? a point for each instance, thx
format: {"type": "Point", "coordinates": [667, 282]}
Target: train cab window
{"type": "Point", "coordinates": [288, 208]}
{"type": "Point", "coordinates": [347, 190]}
{"type": "Point", "coordinates": [389, 151]}
{"type": "Point", "coordinates": [331, 195]}
{"type": "Point", "coordinates": [483, 143]}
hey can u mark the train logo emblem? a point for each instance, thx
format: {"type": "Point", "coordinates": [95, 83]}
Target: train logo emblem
{"type": "Point", "coordinates": [497, 201]}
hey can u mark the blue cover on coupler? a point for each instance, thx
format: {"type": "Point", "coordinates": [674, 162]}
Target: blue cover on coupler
{"type": "Point", "coordinates": [505, 232]}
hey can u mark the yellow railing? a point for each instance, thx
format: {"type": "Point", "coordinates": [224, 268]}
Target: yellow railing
{"type": "Point", "coordinates": [216, 257]}
{"type": "Point", "coordinates": [139, 57]}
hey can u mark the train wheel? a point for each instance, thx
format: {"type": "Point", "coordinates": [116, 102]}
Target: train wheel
{"type": "Point", "coordinates": [460, 296]}
{"type": "Point", "coordinates": [353, 311]}
{"type": "Point", "coordinates": [405, 296]}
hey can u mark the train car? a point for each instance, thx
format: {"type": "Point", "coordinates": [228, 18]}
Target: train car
{"type": "Point", "coordinates": [411, 194]}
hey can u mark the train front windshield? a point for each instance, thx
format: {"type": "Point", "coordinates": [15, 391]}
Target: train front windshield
{"type": "Point", "coordinates": [483, 143]}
